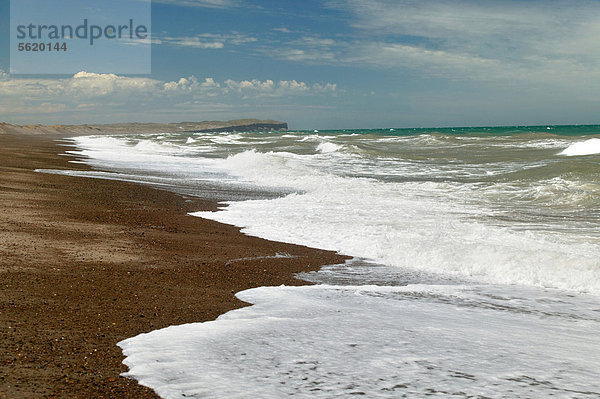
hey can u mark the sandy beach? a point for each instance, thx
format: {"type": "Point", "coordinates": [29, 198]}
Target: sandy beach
{"type": "Point", "coordinates": [85, 263]}
{"type": "Point", "coordinates": [224, 199]}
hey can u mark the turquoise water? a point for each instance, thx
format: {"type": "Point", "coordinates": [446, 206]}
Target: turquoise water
{"type": "Point", "coordinates": [561, 130]}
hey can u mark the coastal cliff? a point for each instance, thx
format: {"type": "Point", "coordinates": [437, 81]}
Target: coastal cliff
{"type": "Point", "coordinates": [252, 127]}
{"type": "Point", "coordinates": [238, 125]}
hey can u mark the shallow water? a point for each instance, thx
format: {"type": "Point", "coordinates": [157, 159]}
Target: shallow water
{"type": "Point", "coordinates": [477, 268]}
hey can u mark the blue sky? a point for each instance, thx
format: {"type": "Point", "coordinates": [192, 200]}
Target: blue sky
{"type": "Point", "coordinates": [338, 64]}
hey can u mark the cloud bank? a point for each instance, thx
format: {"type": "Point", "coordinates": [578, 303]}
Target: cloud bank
{"type": "Point", "coordinates": [93, 92]}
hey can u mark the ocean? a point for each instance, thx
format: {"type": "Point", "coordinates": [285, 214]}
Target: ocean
{"type": "Point", "coordinates": [475, 267]}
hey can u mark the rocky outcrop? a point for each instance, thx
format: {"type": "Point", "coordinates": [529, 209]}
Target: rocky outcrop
{"type": "Point", "coordinates": [253, 127]}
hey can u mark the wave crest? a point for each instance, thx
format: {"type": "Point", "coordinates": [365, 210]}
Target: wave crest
{"type": "Point", "coordinates": [588, 147]}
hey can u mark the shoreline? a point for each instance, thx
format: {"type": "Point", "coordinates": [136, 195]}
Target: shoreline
{"type": "Point", "coordinates": [86, 263]}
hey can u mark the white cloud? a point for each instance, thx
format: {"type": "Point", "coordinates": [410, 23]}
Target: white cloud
{"type": "Point", "coordinates": [191, 85]}
{"type": "Point", "coordinates": [324, 88]}
{"type": "Point", "coordinates": [206, 40]}
{"type": "Point", "coordinates": [493, 41]}
{"type": "Point", "coordinates": [112, 93]}
{"type": "Point", "coordinates": [182, 84]}
{"type": "Point", "coordinates": [256, 85]}
{"type": "Point", "coordinates": [202, 3]}
{"type": "Point", "coordinates": [435, 62]}
{"type": "Point", "coordinates": [210, 82]}
{"type": "Point", "coordinates": [138, 42]}
{"type": "Point", "coordinates": [81, 85]}
{"type": "Point", "coordinates": [316, 41]}
{"type": "Point", "coordinates": [84, 84]}
{"type": "Point", "coordinates": [281, 88]}
{"type": "Point", "coordinates": [311, 49]}
{"type": "Point", "coordinates": [193, 42]}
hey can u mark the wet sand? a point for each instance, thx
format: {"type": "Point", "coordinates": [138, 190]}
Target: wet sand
{"type": "Point", "coordinates": [85, 263]}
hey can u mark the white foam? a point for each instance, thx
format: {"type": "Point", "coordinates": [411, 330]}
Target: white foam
{"type": "Point", "coordinates": [327, 147]}
{"type": "Point", "coordinates": [424, 226]}
{"type": "Point", "coordinates": [588, 147]}
{"type": "Point", "coordinates": [226, 138]}
{"type": "Point", "coordinates": [431, 226]}
{"type": "Point", "coordinates": [141, 155]}
{"type": "Point", "coordinates": [422, 340]}
{"type": "Point", "coordinates": [379, 342]}
{"type": "Point", "coordinates": [316, 137]}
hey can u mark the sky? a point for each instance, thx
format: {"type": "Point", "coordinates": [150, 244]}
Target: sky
{"type": "Point", "coordinates": [332, 64]}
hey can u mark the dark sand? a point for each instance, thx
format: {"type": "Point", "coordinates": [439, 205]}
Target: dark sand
{"type": "Point", "coordinates": [85, 263]}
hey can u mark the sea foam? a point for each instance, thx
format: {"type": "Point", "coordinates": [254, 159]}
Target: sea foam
{"type": "Point", "coordinates": [425, 226]}
{"type": "Point", "coordinates": [444, 213]}
{"type": "Point", "coordinates": [588, 147]}
{"type": "Point", "coordinates": [378, 342]}
{"type": "Point", "coordinates": [422, 224]}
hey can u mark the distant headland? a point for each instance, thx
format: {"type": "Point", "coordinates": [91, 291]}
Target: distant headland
{"type": "Point", "coordinates": [238, 125]}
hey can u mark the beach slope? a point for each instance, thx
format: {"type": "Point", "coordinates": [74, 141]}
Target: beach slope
{"type": "Point", "coordinates": [86, 263]}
